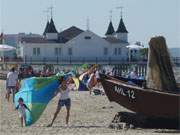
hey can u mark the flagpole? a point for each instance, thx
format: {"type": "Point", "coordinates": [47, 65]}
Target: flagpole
{"type": "Point", "coordinates": [3, 43]}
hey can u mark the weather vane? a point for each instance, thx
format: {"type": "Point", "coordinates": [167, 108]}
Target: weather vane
{"type": "Point", "coordinates": [87, 23]}
{"type": "Point", "coordinates": [121, 10]}
{"type": "Point", "coordinates": [110, 17]}
{"type": "Point", "coordinates": [47, 13]}
{"type": "Point", "coordinates": [51, 10]}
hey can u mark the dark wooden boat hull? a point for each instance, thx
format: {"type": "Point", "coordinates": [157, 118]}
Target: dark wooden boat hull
{"type": "Point", "coordinates": [144, 101]}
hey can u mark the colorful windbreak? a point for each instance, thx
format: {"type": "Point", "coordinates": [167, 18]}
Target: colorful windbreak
{"type": "Point", "coordinates": [36, 93]}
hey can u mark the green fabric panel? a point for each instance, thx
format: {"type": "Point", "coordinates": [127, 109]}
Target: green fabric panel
{"type": "Point", "coordinates": [42, 81]}
{"type": "Point", "coordinates": [37, 109]}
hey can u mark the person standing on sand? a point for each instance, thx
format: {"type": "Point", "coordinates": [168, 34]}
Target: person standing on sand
{"type": "Point", "coordinates": [98, 78]}
{"type": "Point", "coordinates": [91, 82]}
{"type": "Point", "coordinates": [11, 82]}
{"type": "Point", "coordinates": [64, 99]}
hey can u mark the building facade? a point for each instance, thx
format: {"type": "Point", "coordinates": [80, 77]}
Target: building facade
{"type": "Point", "coordinates": [75, 45]}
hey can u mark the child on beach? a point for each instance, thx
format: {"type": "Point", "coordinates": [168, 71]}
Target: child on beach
{"type": "Point", "coordinates": [21, 107]}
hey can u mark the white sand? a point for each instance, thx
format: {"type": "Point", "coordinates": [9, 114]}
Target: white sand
{"type": "Point", "coordinates": [87, 117]}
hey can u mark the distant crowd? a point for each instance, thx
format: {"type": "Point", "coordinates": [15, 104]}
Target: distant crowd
{"type": "Point", "coordinates": [29, 72]}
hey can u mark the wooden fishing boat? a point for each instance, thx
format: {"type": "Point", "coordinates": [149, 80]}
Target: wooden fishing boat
{"type": "Point", "coordinates": [148, 102]}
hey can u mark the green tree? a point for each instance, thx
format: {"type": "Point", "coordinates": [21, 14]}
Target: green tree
{"type": "Point", "coordinates": [144, 53]}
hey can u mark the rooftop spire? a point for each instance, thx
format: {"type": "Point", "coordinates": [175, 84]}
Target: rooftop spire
{"type": "Point", "coordinates": [51, 27]}
{"type": "Point", "coordinates": [110, 30]}
{"type": "Point", "coordinates": [46, 28]}
{"type": "Point", "coordinates": [121, 27]}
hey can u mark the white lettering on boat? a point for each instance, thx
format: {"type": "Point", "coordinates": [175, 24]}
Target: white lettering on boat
{"type": "Point", "coordinates": [125, 92]}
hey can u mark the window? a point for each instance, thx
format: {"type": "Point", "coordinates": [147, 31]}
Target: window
{"type": "Point", "coordinates": [36, 51]}
{"type": "Point", "coordinates": [115, 51]}
{"type": "Point", "coordinates": [57, 51]}
{"type": "Point", "coordinates": [119, 51]}
{"type": "Point", "coordinates": [70, 51]}
{"type": "Point", "coordinates": [105, 51]}
{"type": "Point", "coordinates": [87, 37]}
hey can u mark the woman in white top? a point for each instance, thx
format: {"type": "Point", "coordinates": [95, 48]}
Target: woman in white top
{"type": "Point", "coordinates": [98, 79]}
{"type": "Point", "coordinates": [64, 99]}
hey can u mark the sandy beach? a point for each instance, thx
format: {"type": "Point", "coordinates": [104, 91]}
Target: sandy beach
{"type": "Point", "coordinates": [89, 115]}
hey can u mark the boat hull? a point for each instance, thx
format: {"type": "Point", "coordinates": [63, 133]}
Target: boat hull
{"type": "Point", "coordinates": [144, 101]}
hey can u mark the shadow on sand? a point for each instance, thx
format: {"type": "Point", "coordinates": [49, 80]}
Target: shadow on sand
{"type": "Point", "coordinates": [76, 126]}
{"type": "Point", "coordinates": [71, 126]}
{"type": "Point", "coordinates": [141, 121]}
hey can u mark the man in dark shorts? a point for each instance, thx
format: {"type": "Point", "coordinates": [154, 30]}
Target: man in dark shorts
{"type": "Point", "coordinates": [11, 82]}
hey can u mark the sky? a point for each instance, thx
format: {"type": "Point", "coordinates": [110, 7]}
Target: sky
{"type": "Point", "coordinates": [143, 18]}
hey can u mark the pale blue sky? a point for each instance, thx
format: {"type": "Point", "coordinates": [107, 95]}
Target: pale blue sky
{"type": "Point", "coordinates": [143, 18]}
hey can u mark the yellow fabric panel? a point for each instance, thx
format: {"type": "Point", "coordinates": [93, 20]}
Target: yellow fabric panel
{"type": "Point", "coordinates": [76, 81]}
